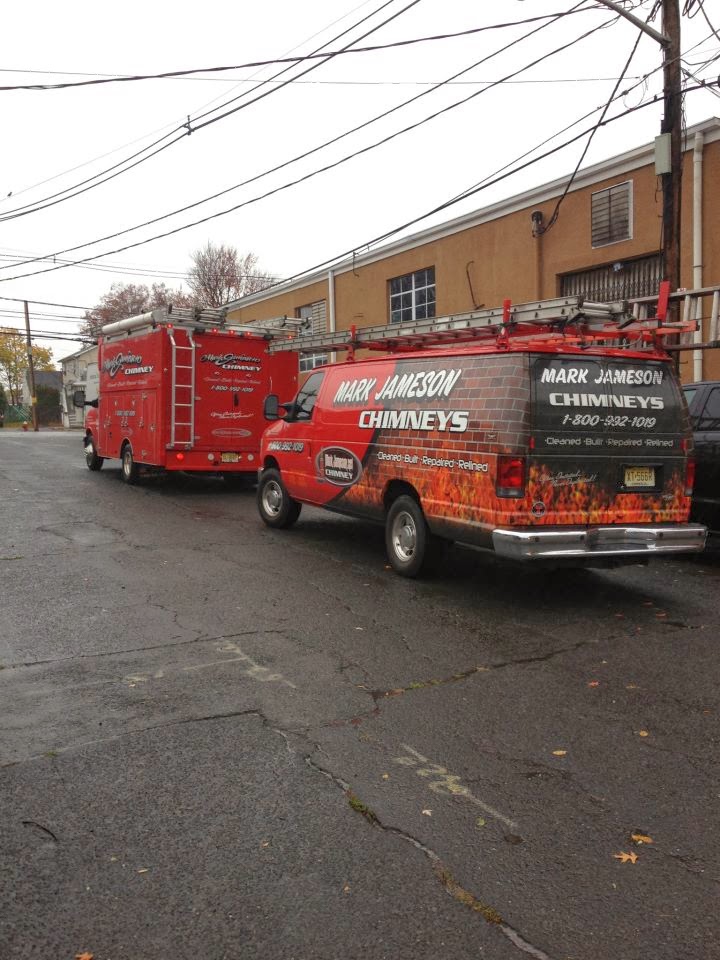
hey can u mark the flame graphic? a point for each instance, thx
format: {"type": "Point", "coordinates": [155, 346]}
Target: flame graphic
{"type": "Point", "coordinates": [453, 493]}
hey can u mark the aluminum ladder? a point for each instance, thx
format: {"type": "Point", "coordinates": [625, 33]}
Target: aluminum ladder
{"type": "Point", "coordinates": [182, 389]}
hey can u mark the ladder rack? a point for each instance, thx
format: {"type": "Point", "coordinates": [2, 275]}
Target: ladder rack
{"type": "Point", "coordinates": [197, 320]}
{"type": "Point", "coordinates": [562, 319]}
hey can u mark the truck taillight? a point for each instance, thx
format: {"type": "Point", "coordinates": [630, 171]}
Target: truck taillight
{"type": "Point", "coordinates": [689, 476]}
{"type": "Point", "coordinates": [510, 480]}
{"type": "Point", "coordinates": [180, 457]}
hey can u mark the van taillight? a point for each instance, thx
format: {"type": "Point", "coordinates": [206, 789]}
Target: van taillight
{"type": "Point", "coordinates": [510, 480]}
{"type": "Point", "coordinates": [689, 476]}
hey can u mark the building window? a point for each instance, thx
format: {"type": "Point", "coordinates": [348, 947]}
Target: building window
{"type": "Point", "coordinates": [315, 315]}
{"type": "Point", "coordinates": [611, 214]}
{"type": "Point", "coordinates": [412, 297]}
{"type": "Point", "coordinates": [622, 280]}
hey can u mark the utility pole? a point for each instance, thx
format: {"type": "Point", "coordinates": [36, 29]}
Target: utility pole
{"type": "Point", "coordinates": [31, 368]}
{"type": "Point", "coordinates": [672, 124]}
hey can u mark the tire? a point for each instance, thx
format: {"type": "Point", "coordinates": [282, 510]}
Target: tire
{"type": "Point", "coordinates": [129, 470]}
{"type": "Point", "coordinates": [275, 505]}
{"type": "Point", "coordinates": [93, 461]}
{"type": "Point", "coordinates": [410, 546]}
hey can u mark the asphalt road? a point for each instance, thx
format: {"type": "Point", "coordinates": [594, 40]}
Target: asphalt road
{"type": "Point", "coordinates": [223, 742]}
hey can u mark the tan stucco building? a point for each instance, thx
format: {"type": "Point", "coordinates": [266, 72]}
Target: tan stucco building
{"type": "Point", "coordinates": [605, 245]}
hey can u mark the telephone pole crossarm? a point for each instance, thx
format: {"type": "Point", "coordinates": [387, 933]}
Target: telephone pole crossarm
{"type": "Point", "coordinates": [645, 27]}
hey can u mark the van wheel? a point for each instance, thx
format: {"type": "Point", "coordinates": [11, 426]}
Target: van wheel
{"type": "Point", "coordinates": [129, 470]}
{"type": "Point", "coordinates": [93, 461]}
{"type": "Point", "coordinates": [275, 505]}
{"type": "Point", "coordinates": [410, 545]}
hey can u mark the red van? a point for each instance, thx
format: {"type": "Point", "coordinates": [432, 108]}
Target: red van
{"type": "Point", "coordinates": [536, 450]}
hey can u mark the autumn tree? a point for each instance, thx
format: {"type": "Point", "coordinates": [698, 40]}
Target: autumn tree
{"type": "Point", "coordinates": [14, 361]}
{"type": "Point", "coordinates": [128, 300]}
{"type": "Point", "coordinates": [220, 274]}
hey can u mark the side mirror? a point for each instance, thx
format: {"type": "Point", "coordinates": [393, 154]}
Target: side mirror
{"type": "Point", "coordinates": [79, 398]}
{"type": "Point", "coordinates": [271, 408]}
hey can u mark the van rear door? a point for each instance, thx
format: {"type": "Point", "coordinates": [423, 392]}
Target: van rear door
{"type": "Point", "coordinates": [608, 442]}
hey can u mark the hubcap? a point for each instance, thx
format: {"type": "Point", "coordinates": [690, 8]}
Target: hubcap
{"type": "Point", "coordinates": [272, 498]}
{"type": "Point", "coordinates": [404, 535]}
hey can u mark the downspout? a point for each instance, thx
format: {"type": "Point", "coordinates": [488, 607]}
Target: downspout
{"type": "Point", "coordinates": [698, 248]}
{"type": "Point", "coordinates": [331, 309]}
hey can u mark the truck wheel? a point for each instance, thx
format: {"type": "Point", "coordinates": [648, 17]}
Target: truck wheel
{"type": "Point", "coordinates": [129, 470]}
{"type": "Point", "coordinates": [410, 546]}
{"type": "Point", "coordinates": [275, 505]}
{"type": "Point", "coordinates": [93, 461]}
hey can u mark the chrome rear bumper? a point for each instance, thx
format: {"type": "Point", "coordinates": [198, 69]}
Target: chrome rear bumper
{"type": "Point", "coordinates": [559, 543]}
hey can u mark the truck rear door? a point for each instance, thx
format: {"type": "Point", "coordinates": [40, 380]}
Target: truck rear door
{"type": "Point", "coordinates": [608, 442]}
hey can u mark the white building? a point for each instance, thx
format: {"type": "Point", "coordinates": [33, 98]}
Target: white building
{"type": "Point", "coordinates": [79, 372]}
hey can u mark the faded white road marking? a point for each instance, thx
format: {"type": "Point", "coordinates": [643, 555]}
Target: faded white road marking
{"type": "Point", "coordinates": [447, 782]}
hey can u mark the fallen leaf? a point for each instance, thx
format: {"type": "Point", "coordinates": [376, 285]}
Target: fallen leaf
{"type": "Point", "coordinates": [481, 821]}
{"type": "Point", "coordinates": [643, 733]}
{"type": "Point", "coordinates": [386, 776]}
{"type": "Point", "coordinates": [427, 813]}
{"type": "Point", "coordinates": [359, 628]}
{"type": "Point", "coordinates": [594, 683]}
{"type": "Point", "coordinates": [626, 857]}
{"type": "Point", "coordinates": [346, 888]}
{"type": "Point", "coordinates": [640, 838]}
{"type": "Point", "coordinates": [620, 616]}
{"type": "Point", "coordinates": [559, 753]}
{"type": "Point", "coordinates": [83, 956]}
{"type": "Point", "coordinates": [658, 615]}
{"type": "Point", "coordinates": [631, 686]}
{"type": "Point", "coordinates": [265, 843]}
{"type": "Point", "coordinates": [144, 870]}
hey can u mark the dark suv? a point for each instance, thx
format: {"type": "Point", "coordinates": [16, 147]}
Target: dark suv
{"type": "Point", "coordinates": [704, 405]}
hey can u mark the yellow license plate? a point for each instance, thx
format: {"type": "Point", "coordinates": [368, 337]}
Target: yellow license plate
{"type": "Point", "coordinates": [229, 457]}
{"type": "Point", "coordinates": [639, 476]}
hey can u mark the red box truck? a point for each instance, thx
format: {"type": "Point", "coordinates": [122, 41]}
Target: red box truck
{"type": "Point", "coordinates": [183, 390]}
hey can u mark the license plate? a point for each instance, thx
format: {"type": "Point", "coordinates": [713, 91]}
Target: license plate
{"type": "Point", "coordinates": [639, 476]}
{"type": "Point", "coordinates": [229, 457]}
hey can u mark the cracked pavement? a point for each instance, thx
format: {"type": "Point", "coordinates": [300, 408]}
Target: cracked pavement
{"type": "Point", "coordinates": [223, 741]}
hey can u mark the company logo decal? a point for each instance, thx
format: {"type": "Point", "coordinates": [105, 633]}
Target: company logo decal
{"type": "Point", "coordinates": [418, 385]}
{"type": "Point", "coordinates": [231, 361]}
{"type": "Point", "coordinates": [338, 466]}
{"type": "Point", "coordinates": [538, 509]}
{"type": "Point", "coordinates": [129, 363]}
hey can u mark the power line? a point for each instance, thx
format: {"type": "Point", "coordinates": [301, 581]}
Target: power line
{"type": "Point", "coordinates": [187, 128]}
{"type": "Point", "coordinates": [45, 303]}
{"type": "Point", "coordinates": [320, 170]}
{"type": "Point", "coordinates": [360, 83]}
{"type": "Point", "coordinates": [173, 126]}
{"type": "Point", "coordinates": [174, 74]}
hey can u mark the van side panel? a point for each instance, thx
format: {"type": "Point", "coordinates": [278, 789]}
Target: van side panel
{"type": "Point", "coordinates": [435, 423]}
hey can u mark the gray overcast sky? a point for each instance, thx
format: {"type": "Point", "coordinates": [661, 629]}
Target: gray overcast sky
{"type": "Point", "coordinates": [54, 139]}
